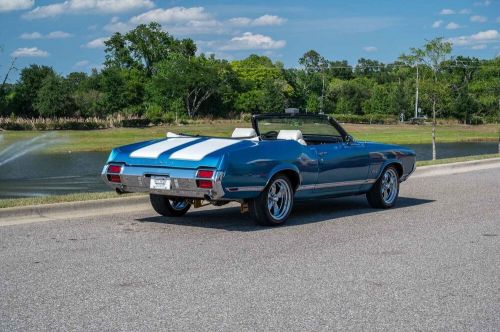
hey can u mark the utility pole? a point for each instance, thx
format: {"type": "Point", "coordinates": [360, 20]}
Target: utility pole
{"type": "Point", "coordinates": [323, 86]}
{"type": "Point", "coordinates": [416, 97]}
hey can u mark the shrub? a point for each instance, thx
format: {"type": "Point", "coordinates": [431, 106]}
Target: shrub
{"type": "Point", "coordinates": [366, 119]}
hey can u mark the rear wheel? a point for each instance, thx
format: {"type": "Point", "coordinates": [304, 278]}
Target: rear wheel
{"type": "Point", "coordinates": [274, 204]}
{"type": "Point", "coordinates": [385, 191]}
{"type": "Point", "coordinates": [167, 207]}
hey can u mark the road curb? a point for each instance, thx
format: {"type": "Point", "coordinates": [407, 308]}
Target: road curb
{"type": "Point", "coordinates": [451, 167]}
{"type": "Point", "coordinates": [58, 208]}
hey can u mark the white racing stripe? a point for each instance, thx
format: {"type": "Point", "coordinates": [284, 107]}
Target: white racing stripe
{"type": "Point", "coordinates": [155, 150]}
{"type": "Point", "coordinates": [198, 151]}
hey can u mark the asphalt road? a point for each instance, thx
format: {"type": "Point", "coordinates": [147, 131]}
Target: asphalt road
{"type": "Point", "coordinates": [433, 263]}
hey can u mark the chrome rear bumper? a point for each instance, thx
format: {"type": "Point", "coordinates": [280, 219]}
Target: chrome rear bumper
{"type": "Point", "coordinates": [183, 182]}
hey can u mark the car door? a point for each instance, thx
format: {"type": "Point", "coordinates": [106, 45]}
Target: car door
{"type": "Point", "coordinates": [342, 167]}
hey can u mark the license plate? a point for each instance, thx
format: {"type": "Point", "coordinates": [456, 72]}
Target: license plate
{"type": "Point", "coordinates": [160, 182]}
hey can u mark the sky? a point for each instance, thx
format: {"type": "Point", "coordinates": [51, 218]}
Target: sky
{"type": "Point", "coordinates": [69, 34]}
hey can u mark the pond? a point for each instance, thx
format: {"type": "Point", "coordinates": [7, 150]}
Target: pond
{"type": "Point", "coordinates": [40, 174]}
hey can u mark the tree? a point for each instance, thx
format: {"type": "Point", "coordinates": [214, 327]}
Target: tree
{"type": "Point", "coordinates": [195, 79]}
{"type": "Point", "coordinates": [54, 98]}
{"type": "Point", "coordinates": [315, 67]}
{"type": "Point", "coordinates": [262, 85]}
{"type": "Point", "coordinates": [30, 81]}
{"type": "Point", "coordinates": [144, 47]}
{"type": "Point", "coordinates": [433, 54]}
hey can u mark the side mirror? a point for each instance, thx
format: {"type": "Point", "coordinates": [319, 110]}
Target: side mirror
{"type": "Point", "coordinates": [349, 139]}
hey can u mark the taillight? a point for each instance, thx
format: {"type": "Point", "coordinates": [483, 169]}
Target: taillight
{"type": "Point", "coordinates": [205, 184]}
{"type": "Point", "coordinates": [114, 169]}
{"type": "Point", "coordinates": [205, 174]}
{"type": "Point", "coordinates": [114, 178]}
{"type": "Point", "coordinates": [113, 173]}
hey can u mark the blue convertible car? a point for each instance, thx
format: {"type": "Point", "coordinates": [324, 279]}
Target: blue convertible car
{"type": "Point", "coordinates": [282, 158]}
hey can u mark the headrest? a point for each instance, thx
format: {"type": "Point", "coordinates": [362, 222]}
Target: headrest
{"type": "Point", "coordinates": [244, 133]}
{"type": "Point", "coordinates": [171, 135]}
{"type": "Point", "coordinates": [290, 134]}
{"type": "Point", "coordinates": [294, 135]}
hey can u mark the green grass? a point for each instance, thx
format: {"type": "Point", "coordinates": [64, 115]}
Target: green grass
{"type": "Point", "coordinates": [105, 140]}
{"type": "Point", "coordinates": [456, 160]}
{"type": "Point", "coordinates": [18, 202]}
{"type": "Point", "coordinates": [414, 134]}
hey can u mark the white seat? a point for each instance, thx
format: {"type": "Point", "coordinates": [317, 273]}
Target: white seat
{"type": "Point", "coordinates": [244, 133]}
{"type": "Point", "coordinates": [293, 135]}
{"type": "Point", "coordinates": [171, 135]}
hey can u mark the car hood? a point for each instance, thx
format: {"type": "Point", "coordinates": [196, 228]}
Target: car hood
{"type": "Point", "coordinates": [179, 152]}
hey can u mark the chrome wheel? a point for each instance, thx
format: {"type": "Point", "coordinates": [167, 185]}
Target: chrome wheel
{"type": "Point", "coordinates": [179, 204]}
{"type": "Point", "coordinates": [279, 199]}
{"type": "Point", "coordinates": [389, 186]}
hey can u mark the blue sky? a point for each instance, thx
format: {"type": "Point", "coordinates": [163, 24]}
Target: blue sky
{"type": "Point", "coordinates": [68, 35]}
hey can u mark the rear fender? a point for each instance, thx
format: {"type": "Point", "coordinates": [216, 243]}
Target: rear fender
{"type": "Point", "coordinates": [284, 167]}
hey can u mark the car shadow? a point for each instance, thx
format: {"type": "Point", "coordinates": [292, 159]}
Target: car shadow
{"type": "Point", "coordinates": [304, 212]}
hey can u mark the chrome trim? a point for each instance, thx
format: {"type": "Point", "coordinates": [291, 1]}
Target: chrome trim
{"type": "Point", "coordinates": [247, 188]}
{"type": "Point", "coordinates": [336, 184]}
{"type": "Point", "coordinates": [306, 187]}
{"type": "Point", "coordinates": [137, 179]}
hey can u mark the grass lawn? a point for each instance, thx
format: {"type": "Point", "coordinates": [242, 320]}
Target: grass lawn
{"type": "Point", "coordinates": [18, 202]}
{"type": "Point", "coordinates": [105, 140]}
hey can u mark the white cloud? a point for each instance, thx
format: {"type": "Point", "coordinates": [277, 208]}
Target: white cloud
{"type": "Point", "coordinates": [452, 26]}
{"type": "Point", "coordinates": [370, 49]}
{"type": "Point", "coordinates": [87, 6]}
{"type": "Point", "coordinates": [478, 19]}
{"type": "Point", "coordinates": [264, 20]}
{"type": "Point", "coordinates": [11, 5]}
{"type": "Point", "coordinates": [175, 20]}
{"type": "Point", "coordinates": [250, 41]}
{"type": "Point", "coordinates": [484, 3]}
{"type": "Point", "coordinates": [437, 24]}
{"type": "Point", "coordinates": [172, 15]}
{"type": "Point", "coordinates": [96, 43]}
{"type": "Point", "coordinates": [479, 47]}
{"type": "Point", "coordinates": [33, 35]}
{"type": "Point", "coordinates": [447, 12]}
{"type": "Point", "coordinates": [50, 35]}
{"type": "Point", "coordinates": [82, 63]}
{"type": "Point", "coordinates": [465, 11]}
{"type": "Point", "coordinates": [58, 35]}
{"type": "Point", "coordinates": [241, 21]}
{"type": "Point", "coordinates": [29, 52]}
{"type": "Point", "coordinates": [482, 37]}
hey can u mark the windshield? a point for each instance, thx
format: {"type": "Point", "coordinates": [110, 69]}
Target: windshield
{"type": "Point", "coordinates": [269, 127]}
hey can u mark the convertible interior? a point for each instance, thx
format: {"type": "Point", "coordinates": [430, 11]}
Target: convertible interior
{"type": "Point", "coordinates": [296, 135]}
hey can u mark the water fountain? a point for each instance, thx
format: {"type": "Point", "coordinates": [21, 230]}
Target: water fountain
{"type": "Point", "coordinates": [20, 148]}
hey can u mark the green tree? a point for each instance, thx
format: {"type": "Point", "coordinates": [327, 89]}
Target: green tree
{"type": "Point", "coordinates": [262, 85]}
{"type": "Point", "coordinates": [194, 79]}
{"type": "Point", "coordinates": [433, 54]}
{"type": "Point", "coordinates": [144, 47]}
{"type": "Point", "coordinates": [30, 81]}
{"type": "Point", "coordinates": [54, 98]}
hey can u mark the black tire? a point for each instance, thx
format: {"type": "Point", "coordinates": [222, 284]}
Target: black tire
{"type": "Point", "coordinates": [167, 207]}
{"type": "Point", "coordinates": [376, 196]}
{"type": "Point", "coordinates": [258, 207]}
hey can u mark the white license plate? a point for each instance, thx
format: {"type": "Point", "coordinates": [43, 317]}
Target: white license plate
{"type": "Point", "coordinates": [160, 182]}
